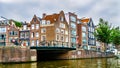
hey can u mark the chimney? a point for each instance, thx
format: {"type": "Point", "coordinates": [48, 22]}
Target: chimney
{"type": "Point", "coordinates": [44, 14]}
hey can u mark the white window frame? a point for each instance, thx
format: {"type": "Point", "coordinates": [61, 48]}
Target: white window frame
{"type": "Point", "coordinates": [37, 34]}
{"type": "Point", "coordinates": [32, 43]}
{"type": "Point", "coordinates": [24, 27]}
{"type": "Point", "coordinates": [32, 26]}
{"type": "Point", "coordinates": [37, 26]}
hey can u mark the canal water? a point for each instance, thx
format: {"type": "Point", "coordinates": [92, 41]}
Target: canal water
{"type": "Point", "coordinates": [82, 63]}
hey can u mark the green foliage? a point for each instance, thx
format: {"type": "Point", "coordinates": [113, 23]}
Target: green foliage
{"type": "Point", "coordinates": [18, 24]}
{"type": "Point", "coordinates": [103, 32]}
{"type": "Point", "coordinates": [116, 36]}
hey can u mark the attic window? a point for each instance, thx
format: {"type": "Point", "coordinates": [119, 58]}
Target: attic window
{"type": "Point", "coordinates": [34, 19]}
{"type": "Point", "coordinates": [62, 18]}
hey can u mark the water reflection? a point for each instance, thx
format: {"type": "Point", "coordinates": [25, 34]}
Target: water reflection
{"type": "Point", "coordinates": [83, 63]}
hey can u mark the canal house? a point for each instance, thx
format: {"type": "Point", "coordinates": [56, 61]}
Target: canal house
{"type": "Point", "coordinates": [25, 34]}
{"type": "Point", "coordinates": [54, 30]}
{"type": "Point", "coordinates": [82, 34]}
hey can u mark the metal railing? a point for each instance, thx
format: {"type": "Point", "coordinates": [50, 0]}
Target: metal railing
{"type": "Point", "coordinates": [55, 44]}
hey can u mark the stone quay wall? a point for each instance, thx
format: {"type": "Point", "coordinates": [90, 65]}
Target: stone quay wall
{"type": "Point", "coordinates": [17, 54]}
{"type": "Point", "coordinates": [82, 54]}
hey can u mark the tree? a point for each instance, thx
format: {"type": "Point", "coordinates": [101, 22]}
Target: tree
{"type": "Point", "coordinates": [103, 32]}
{"type": "Point", "coordinates": [17, 23]}
{"type": "Point", "coordinates": [116, 36]}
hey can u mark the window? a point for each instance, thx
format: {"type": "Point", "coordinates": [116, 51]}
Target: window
{"type": "Point", "coordinates": [73, 25]}
{"type": "Point", "coordinates": [48, 22]}
{"type": "Point", "coordinates": [32, 26]}
{"type": "Point", "coordinates": [37, 34]}
{"type": "Point", "coordinates": [43, 22]}
{"type": "Point", "coordinates": [62, 18]}
{"type": "Point", "coordinates": [73, 32]}
{"type": "Point", "coordinates": [22, 35]}
{"type": "Point", "coordinates": [37, 26]}
{"type": "Point", "coordinates": [57, 37]}
{"type": "Point", "coordinates": [32, 35]}
{"type": "Point", "coordinates": [83, 34]}
{"type": "Point", "coordinates": [13, 33]}
{"type": "Point", "coordinates": [24, 27]}
{"type": "Point", "coordinates": [66, 39]}
{"type": "Point", "coordinates": [73, 40]}
{"type": "Point", "coordinates": [43, 37]}
{"type": "Point", "coordinates": [73, 18]}
{"type": "Point", "coordinates": [62, 38]}
{"type": "Point", "coordinates": [2, 30]}
{"type": "Point", "coordinates": [62, 25]}
{"type": "Point", "coordinates": [58, 30]}
{"type": "Point", "coordinates": [27, 35]}
{"type": "Point", "coordinates": [37, 42]}
{"type": "Point", "coordinates": [32, 44]}
{"type": "Point", "coordinates": [78, 22]}
{"type": "Point", "coordinates": [84, 41]}
{"type": "Point", "coordinates": [83, 28]}
{"type": "Point", "coordinates": [62, 31]}
{"type": "Point", "coordinates": [43, 30]}
{"type": "Point", "coordinates": [66, 32]}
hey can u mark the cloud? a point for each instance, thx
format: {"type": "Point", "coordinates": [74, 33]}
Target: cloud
{"type": "Point", "coordinates": [24, 10]}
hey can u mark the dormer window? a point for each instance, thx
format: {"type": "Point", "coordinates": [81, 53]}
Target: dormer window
{"type": "Point", "coordinates": [48, 22]}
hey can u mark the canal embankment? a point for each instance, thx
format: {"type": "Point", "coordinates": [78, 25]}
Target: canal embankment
{"type": "Point", "coordinates": [15, 54]}
{"type": "Point", "coordinates": [20, 54]}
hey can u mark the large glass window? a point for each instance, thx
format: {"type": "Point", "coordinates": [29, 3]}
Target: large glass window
{"type": "Point", "coordinates": [73, 40]}
{"type": "Point", "coordinates": [83, 28]}
{"type": "Point", "coordinates": [73, 32]}
{"type": "Point", "coordinates": [62, 18]}
{"type": "Point", "coordinates": [73, 18]}
{"type": "Point", "coordinates": [84, 41]}
{"type": "Point", "coordinates": [73, 25]}
{"type": "Point", "coordinates": [43, 30]}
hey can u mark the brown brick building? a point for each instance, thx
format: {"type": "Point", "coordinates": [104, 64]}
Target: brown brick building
{"type": "Point", "coordinates": [35, 31]}
{"type": "Point", "coordinates": [9, 33]}
{"type": "Point", "coordinates": [82, 33]}
{"type": "Point", "coordinates": [54, 29]}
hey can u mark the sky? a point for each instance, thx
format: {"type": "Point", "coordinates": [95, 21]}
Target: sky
{"type": "Point", "coordinates": [23, 10]}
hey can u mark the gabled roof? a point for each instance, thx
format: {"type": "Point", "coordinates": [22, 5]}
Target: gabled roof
{"type": "Point", "coordinates": [51, 18]}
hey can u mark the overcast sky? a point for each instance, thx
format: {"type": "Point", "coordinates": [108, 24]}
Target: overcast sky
{"type": "Point", "coordinates": [23, 10]}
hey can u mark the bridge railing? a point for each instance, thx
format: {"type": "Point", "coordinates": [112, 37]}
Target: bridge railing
{"type": "Point", "coordinates": [55, 44]}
